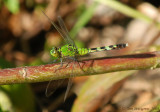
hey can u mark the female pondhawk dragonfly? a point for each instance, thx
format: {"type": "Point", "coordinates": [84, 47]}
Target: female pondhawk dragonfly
{"type": "Point", "coordinates": [70, 50]}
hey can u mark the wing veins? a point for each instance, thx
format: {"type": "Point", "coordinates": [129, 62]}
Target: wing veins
{"type": "Point", "coordinates": [61, 32]}
{"type": "Point", "coordinates": [64, 29]}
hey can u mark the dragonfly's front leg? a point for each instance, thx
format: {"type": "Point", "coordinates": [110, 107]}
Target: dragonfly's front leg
{"type": "Point", "coordinates": [60, 65]}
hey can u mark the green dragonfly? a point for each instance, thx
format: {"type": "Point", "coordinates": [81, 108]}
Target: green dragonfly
{"type": "Point", "coordinates": [70, 50]}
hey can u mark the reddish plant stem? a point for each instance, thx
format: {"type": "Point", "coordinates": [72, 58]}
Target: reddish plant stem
{"type": "Point", "coordinates": [41, 73]}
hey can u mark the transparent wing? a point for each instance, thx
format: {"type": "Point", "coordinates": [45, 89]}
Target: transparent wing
{"type": "Point", "coordinates": [68, 88]}
{"type": "Point", "coordinates": [52, 86]}
{"type": "Point", "coordinates": [71, 42]}
{"type": "Point", "coordinates": [62, 33]}
{"type": "Point", "coordinates": [66, 33]}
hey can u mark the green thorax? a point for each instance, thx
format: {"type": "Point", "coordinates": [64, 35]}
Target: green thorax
{"type": "Point", "coordinates": [71, 51]}
{"type": "Point", "coordinates": [68, 51]}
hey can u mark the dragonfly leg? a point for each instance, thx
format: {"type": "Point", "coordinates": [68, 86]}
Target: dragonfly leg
{"type": "Point", "coordinates": [75, 60]}
{"type": "Point", "coordinates": [67, 64]}
{"type": "Point", "coordinates": [81, 67]}
{"type": "Point", "coordinates": [60, 65]}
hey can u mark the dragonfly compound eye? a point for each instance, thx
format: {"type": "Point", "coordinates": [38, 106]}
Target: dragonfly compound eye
{"type": "Point", "coordinates": [54, 52]}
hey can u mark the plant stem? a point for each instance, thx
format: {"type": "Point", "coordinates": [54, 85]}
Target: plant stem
{"type": "Point", "coordinates": [48, 72]}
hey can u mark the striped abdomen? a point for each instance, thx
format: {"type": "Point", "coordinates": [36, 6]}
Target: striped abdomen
{"type": "Point", "coordinates": [83, 51]}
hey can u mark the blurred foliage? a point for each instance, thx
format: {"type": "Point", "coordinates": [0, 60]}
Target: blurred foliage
{"type": "Point", "coordinates": [12, 5]}
{"type": "Point", "coordinates": [21, 97]}
{"type": "Point", "coordinates": [5, 102]}
{"type": "Point", "coordinates": [12, 96]}
{"type": "Point", "coordinates": [84, 18]}
{"type": "Point", "coordinates": [128, 11]}
{"type": "Point", "coordinates": [156, 108]}
{"type": "Point", "coordinates": [36, 62]}
{"type": "Point", "coordinates": [5, 64]}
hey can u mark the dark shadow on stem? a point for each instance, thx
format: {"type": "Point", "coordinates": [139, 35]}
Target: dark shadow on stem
{"type": "Point", "coordinates": [144, 55]}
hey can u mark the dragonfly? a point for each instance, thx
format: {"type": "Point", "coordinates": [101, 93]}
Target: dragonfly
{"type": "Point", "coordinates": [70, 50]}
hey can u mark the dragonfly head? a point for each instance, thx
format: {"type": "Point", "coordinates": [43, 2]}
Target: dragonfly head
{"type": "Point", "coordinates": [54, 52]}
